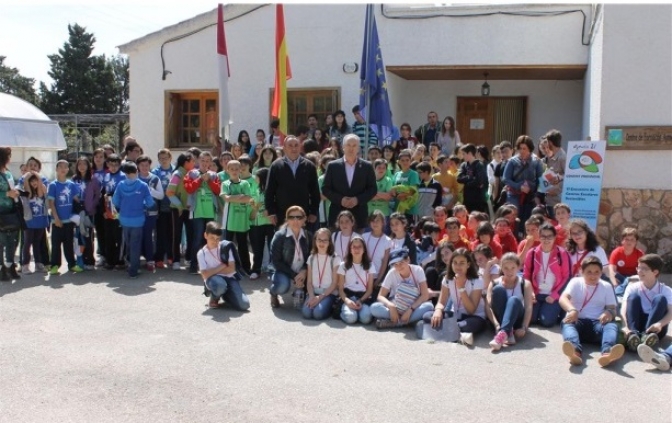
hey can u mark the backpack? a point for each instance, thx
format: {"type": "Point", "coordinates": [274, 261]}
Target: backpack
{"type": "Point", "coordinates": [226, 247]}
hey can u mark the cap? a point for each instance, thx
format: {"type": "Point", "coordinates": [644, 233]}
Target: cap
{"type": "Point", "coordinates": [397, 255]}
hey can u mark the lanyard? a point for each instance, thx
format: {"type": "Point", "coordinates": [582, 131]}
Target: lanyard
{"type": "Point", "coordinates": [577, 265]}
{"type": "Point", "coordinates": [363, 281]}
{"type": "Point", "coordinates": [643, 291]}
{"type": "Point", "coordinates": [458, 296]}
{"type": "Point", "coordinates": [341, 244]}
{"type": "Point", "coordinates": [548, 264]}
{"type": "Point", "coordinates": [587, 300]}
{"type": "Point", "coordinates": [297, 249]}
{"type": "Point", "coordinates": [514, 286]}
{"type": "Point", "coordinates": [374, 248]}
{"type": "Point", "coordinates": [415, 282]}
{"type": "Point", "coordinates": [320, 273]}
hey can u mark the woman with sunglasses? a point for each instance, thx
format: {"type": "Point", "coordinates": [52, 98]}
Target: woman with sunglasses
{"type": "Point", "coordinates": [547, 268]}
{"type": "Point", "coordinates": [290, 249]}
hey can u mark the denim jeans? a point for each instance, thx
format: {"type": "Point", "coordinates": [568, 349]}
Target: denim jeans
{"type": "Point", "coordinates": [321, 311]}
{"type": "Point", "coordinates": [281, 283]}
{"type": "Point", "coordinates": [380, 311]}
{"type": "Point", "coordinates": [350, 316]}
{"type": "Point", "coordinates": [133, 243]}
{"type": "Point", "coordinates": [622, 284]}
{"type": "Point", "coordinates": [229, 290]}
{"type": "Point", "coordinates": [544, 313]}
{"type": "Point", "coordinates": [639, 321]}
{"type": "Point", "coordinates": [509, 311]}
{"type": "Point", "coordinates": [592, 331]}
{"type": "Point", "coordinates": [9, 241]}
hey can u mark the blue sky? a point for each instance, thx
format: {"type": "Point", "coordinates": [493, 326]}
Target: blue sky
{"type": "Point", "coordinates": [32, 30]}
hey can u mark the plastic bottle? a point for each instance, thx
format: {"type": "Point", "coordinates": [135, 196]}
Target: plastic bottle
{"type": "Point", "coordinates": [299, 296]}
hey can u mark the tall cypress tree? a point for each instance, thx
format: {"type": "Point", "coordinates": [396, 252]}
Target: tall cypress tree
{"type": "Point", "coordinates": [83, 83]}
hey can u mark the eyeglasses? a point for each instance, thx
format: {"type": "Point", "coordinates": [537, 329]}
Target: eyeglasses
{"type": "Point", "coordinates": [295, 217]}
{"type": "Point", "coordinates": [643, 269]}
{"type": "Point", "coordinates": [577, 233]}
{"type": "Point", "coordinates": [546, 237]}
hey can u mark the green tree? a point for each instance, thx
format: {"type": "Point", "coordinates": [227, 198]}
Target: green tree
{"type": "Point", "coordinates": [83, 83]}
{"type": "Point", "coordinates": [12, 82]}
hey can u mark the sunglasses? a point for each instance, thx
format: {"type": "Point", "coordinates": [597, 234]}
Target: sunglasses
{"type": "Point", "coordinates": [295, 217]}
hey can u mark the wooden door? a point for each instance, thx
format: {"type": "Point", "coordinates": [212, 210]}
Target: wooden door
{"type": "Point", "coordinates": [475, 120]}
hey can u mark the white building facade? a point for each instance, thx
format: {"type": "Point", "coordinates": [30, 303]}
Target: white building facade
{"type": "Point", "coordinates": [575, 68]}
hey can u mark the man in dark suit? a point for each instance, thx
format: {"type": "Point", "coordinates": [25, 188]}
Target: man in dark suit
{"type": "Point", "coordinates": [349, 183]}
{"type": "Point", "coordinates": [292, 181]}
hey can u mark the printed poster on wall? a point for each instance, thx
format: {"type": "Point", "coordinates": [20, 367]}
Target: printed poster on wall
{"type": "Point", "coordinates": [583, 179]}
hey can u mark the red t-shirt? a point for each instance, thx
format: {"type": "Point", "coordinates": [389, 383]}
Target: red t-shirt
{"type": "Point", "coordinates": [461, 243]}
{"type": "Point", "coordinates": [625, 265]}
{"type": "Point", "coordinates": [561, 236]}
{"type": "Point", "coordinates": [507, 242]}
{"type": "Point", "coordinates": [495, 246]}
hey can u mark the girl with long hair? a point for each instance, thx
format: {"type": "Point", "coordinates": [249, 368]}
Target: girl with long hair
{"type": "Point", "coordinates": [321, 284]}
{"type": "Point", "coordinates": [355, 283]}
{"type": "Point", "coordinates": [90, 190]}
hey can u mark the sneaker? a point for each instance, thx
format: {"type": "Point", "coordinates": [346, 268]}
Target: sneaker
{"type": "Point", "coordinates": [193, 271]}
{"type": "Point", "coordinates": [275, 301]}
{"type": "Point", "coordinates": [632, 341]}
{"type": "Point", "coordinates": [25, 269]}
{"type": "Point", "coordinates": [133, 276]}
{"type": "Point", "coordinates": [160, 265]}
{"type": "Point", "coordinates": [648, 355]}
{"type": "Point", "coordinates": [54, 270]}
{"type": "Point", "coordinates": [76, 269]}
{"type": "Point", "coordinates": [511, 340]}
{"type": "Point", "coordinates": [12, 272]}
{"type": "Point", "coordinates": [498, 340]}
{"type": "Point", "coordinates": [176, 265]}
{"type": "Point", "coordinates": [386, 324]}
{"type": "Point", "coordinates": [150, 267]}
{"type": "Point", "coordinates": [40, 268]}
{"type": "Point", "coordinates": [650, 339]}
{"type": "Point", "coordinates": [614, 354]}
{"type": "Point", "coordinates": [100, 262]}
{"type": "Point", "coordinates": [571, 352]}
{"type": "Point", "coordinates": [467, 338]}
{"type": "Point", "coordinates": [89, 267]}
{"type": "Point", "coordinates": [254, 276]}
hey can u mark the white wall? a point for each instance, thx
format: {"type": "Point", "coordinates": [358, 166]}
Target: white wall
{"type": "Point", "coordinates": [551, 104]}
{"type": "Point", "coordinates": [321, 38]}
{"type": "Point", "coordinates": [636, 90]}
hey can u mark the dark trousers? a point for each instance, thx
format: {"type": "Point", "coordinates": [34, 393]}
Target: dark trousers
{"type": "Point", "coordinates": [87, 243]}
{"type": "Point", "coordinates": [99, 223]}
{"type": "Point", "coordinates": [260, 236]}
{"type": "Point", "coordinates": [639, 321]}
{"type": "Point", "coordinates": [63, 237]}
{"type": "Point", "coordinates": [33, 238]}
{"type": "Point", "coordinates": [198, 228]}
{"type": "Point", "coordinates": [243, 250]}
{"type": "Point", "coordinates": [164, 236]}
{"type": "Point", "coordinates": [112, 247]}
{"type": "Point", "coordinates": [148, 237]}
{"type": "Point", "coordinates": [180, 220]}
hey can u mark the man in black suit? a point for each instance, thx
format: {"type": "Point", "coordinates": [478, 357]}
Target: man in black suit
{"type": "Point", "coordinates": [292, 181]}
{"type": "Point", "coordinates": [350, 183]}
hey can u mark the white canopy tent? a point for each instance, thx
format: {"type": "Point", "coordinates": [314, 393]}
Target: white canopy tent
{"type": "Point", "coordinates": [29, 132]}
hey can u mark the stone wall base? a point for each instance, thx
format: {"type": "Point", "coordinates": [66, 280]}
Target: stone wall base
{"type": "Point", "coordinates": [650, 211]}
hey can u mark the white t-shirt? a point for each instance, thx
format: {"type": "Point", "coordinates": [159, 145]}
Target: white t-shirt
{"type": "Point", "coordinates": [545, 277]}
{"type": "Point", "coordinates": [590, 301]}
{"type": "Point", "coordinates": [341, 243]}
{"type": "Point", "coordinates": [356, 278]}
{"type": "Point", "coordinates": [393, 279]}
{"type": "Point", "coordinates": [376, 248]}
{"type": "Point", "coordinates": [494, 271]}
{"type": "Point", "coordinates": [322, 271]}
{"type": "Point", "coordinates": [471, 285]}
{"type": "Point", "coordinates": [599, 253]}
{"type": "Point", "coordinates": [517, 289]}
{"type": "Point", "coordinates": [209, 259]}
{"type": "Point", "coordinates": [397, 243]}
{"type": "Point", "coordinates": [647, 295]}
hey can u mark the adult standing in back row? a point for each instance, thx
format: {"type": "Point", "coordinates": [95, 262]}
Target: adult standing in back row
{"type": "Point", "coordinates": [350, 183]}
{"type": "Point", "coordinates": [292, 181]}
{"type": "Point", "coordinates": [521, 176]}
{"type": "Point", "coordinates": [429, 132]}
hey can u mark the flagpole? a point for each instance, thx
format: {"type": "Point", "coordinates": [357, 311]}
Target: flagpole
{"type": "Point", "coordinates": [369, 28]}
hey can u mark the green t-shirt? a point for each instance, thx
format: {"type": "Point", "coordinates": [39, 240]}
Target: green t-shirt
{"type": "Point", "coordinates": [6, 203]}
{"type": "Point", "coordinates": [260, 220]}
{"type": "Point", "coordinates": [384, 184]}
{"type": "Point", "coordinates": [409, 178]}
{"type": "Point", "coordinates": [236, 217]}
{"type": "Point", "coordinates": [205, 202]}
{"type": "Point", "coordinates": [324, 204]}
{"type": "Point", "coordinates": [254, 186]}
{"type": "Point", "coordinates": [223, 177]}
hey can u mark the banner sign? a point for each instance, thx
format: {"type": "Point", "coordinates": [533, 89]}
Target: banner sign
{"type": "Point", "coordinates": [583, 179]}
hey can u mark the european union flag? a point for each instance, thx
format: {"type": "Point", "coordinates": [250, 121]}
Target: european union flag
{"type": "Point", "coordinates": [374, 86]}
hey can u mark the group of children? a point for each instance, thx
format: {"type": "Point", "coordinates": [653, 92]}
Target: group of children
{"type": "Point", "coordinates": [424, 258]}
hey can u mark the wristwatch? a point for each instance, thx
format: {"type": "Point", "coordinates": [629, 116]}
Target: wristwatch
{"type": "Point", "coordinates": [461, 290]}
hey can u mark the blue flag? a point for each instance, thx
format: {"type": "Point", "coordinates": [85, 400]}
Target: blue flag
{"type": "Point", "coordinates": [374, 86]}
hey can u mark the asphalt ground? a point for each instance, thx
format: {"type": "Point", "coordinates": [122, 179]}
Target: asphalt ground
{"type": "Point", "coordinates": [99, 347]}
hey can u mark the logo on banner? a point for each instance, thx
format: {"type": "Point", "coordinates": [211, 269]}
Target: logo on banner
{"type": "Point", "coordinates": [588, 161]}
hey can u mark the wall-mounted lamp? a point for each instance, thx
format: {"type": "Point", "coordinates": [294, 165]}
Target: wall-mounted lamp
{"type": "Point", "coordinates": [485, 88]}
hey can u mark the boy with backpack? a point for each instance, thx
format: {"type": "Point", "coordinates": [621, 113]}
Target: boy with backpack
{"type": "Point", "coordinates": [217, 262]}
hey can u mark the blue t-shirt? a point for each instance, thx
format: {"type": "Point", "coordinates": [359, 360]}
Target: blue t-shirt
{"type": "Point", "coordinates": [111, 181]}
{"type": "Point", "coordinates": [100, 175]}
{"type": "Point", "coordinates": [164, 176]}
{"type": "Point", "coordinates": [40, 220]}
{"type": "Point", "coordinates": [63, 194]}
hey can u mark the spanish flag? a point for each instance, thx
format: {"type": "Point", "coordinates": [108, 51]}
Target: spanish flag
{"type": "Point", "coordinates": [283, 72]}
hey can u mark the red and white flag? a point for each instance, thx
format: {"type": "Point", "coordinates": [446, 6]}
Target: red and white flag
{"type": "Point", "coordinates": [224, 74]}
